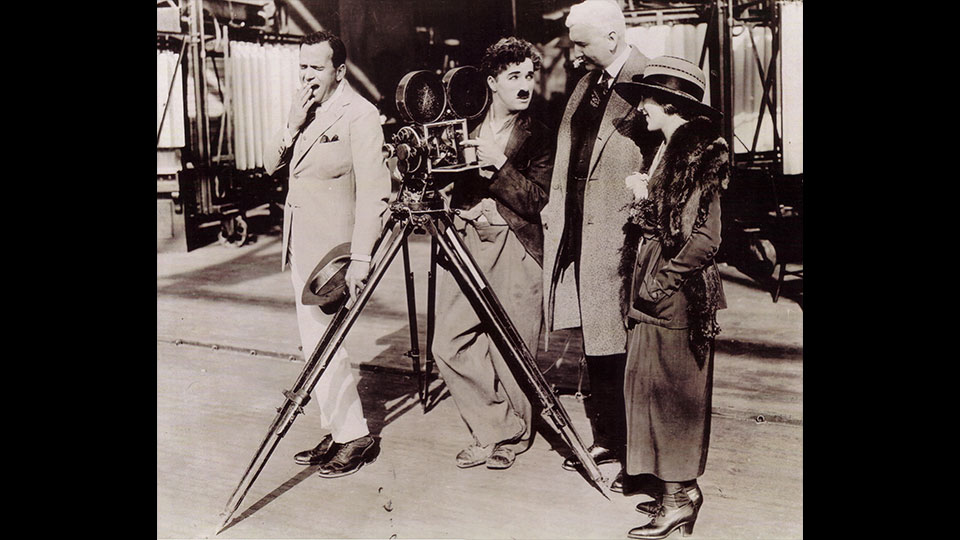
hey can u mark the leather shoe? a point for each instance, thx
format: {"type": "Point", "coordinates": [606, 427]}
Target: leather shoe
{"type": "Point", "coordinates": [317, 454]}
{"type": "Point", "coordinates": [677, 511]}
{"type": "Point", "coordinates": [600, 455]}
{"type": "Point", "coordinates": [350, 457]}
{"type": "Point", "coordinates": [650, 508]}
{"type": "Point", "coordinates": [617, 485]}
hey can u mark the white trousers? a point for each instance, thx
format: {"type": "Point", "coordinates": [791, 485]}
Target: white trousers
{"type": "Point", "coordinates": [336, 391]}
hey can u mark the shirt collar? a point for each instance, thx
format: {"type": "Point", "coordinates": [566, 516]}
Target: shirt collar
{"type": "Point", "coordinates": [614, 68]}
{"type": "Point", "coordinates": [506, 126]}
{"type": "Point", "coordinates": [326, 105]}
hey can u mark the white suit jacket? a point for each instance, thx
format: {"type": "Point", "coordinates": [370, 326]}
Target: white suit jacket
{"type": "Point", "coordinates": [339, 181]}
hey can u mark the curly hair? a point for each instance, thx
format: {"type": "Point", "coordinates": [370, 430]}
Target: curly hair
{"type": "Point", "coordinates": [507, 51]}
{"type": "Point", "coordinates": [339, 50]}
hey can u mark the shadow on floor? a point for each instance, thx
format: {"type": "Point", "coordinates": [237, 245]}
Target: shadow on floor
{"type": "Point", "coordinates": [758, 349]}
{"type": "Point", "coordinates": [250, 263]}
{"type": "Point", "coordinates": [385, 396]}
{"type": "Point", "coordinates": [759, 279]}
{"type": "Point", "coordinates": [269, 497]}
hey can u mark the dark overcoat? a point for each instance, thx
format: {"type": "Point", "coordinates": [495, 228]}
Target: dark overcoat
{"type": "Point", "coordinates": [675, 282]}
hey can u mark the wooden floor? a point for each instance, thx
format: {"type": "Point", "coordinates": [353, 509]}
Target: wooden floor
{"type": "Point", "coordinates": [227, 347]}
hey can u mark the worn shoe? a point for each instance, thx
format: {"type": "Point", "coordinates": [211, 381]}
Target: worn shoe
{"type": "Point", "coordinates": [350, 457]}
{"type": "Point", "coordinates": [502, 458]}
{"type": "Point", "coordinates": [317, 454]}
{"type": "Point", "coordinates": [677, 511]}
{"type": "Point", "coordinates": [600, 455]}
{"type": "Point", "coordinates": [474, 455]}
{"type": "Point", "coordinates": [651, 508]}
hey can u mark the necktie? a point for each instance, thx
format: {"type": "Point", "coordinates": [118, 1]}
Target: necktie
{"type": "Point", "coordinates": [600, 89]}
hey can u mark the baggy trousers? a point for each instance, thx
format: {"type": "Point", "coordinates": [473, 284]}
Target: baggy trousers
{"type": "Point", "coordinates": [336, 391]}
{"type": "Point", "coordinates": [488, 396]}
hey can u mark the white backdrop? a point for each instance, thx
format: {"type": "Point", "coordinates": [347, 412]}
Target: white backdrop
{"type": "Point", "coordinates": [263, 79]}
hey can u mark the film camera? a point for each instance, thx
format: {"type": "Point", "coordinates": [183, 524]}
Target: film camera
{"type": "Point", "coordinates": [437, 110]}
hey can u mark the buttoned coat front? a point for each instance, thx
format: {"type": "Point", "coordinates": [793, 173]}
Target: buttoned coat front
{"type": "Point", "coordinates": [339, 181]}
{"type": "Point", "coordinates": [596, 307]}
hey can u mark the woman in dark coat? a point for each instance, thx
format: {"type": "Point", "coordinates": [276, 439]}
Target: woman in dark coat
{"type": "Point", "coordinates": [673, 290]}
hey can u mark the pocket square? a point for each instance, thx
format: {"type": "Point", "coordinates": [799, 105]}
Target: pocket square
{"type": "Point", "coordinates": [325, 139]}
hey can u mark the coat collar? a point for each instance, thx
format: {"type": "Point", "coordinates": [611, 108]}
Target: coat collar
{"type": "Point", "coordinates": [324, 121]}
{"type": "Point", "coordinates": [521, 130]}
{"type": "Point", "coordinates": [635, 64]}
{"type": "Point", "coordinates": [688, 140]}
{"type": "Point", "coordinates": [695, 164]}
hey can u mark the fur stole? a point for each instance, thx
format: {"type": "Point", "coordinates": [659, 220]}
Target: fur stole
{"type": "Point", "coordinates": [694, 167]}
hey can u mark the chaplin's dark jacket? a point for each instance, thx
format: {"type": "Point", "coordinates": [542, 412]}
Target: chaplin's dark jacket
{"type": "Point", "coordinates": [521, 187]}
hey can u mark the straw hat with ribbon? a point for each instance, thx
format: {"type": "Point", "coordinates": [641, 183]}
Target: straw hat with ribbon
{"type": "Point", "coordinates": [671, 77]}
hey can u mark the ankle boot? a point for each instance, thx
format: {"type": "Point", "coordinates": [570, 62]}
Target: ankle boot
{"type": "Point", "coordinates": [651, 508]}
{"type": "Point", "coordinates": [677, 511]}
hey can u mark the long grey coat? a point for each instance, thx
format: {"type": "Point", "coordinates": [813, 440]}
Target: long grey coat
{"type": "Point", "coordinates": [596, 307]}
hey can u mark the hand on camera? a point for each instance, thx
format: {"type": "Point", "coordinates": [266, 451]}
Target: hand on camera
{"type": "Point", "coordinates": [488, 154]}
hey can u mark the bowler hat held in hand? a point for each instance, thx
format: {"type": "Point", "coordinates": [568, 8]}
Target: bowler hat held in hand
{"type": "Point", "coordinates": [327, 286]}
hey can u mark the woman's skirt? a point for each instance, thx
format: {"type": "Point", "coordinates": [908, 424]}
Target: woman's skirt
{"type": "Point", "coordinates": [668, 400]}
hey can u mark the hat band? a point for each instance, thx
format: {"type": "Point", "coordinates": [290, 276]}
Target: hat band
{"type": "Point", "coordinates": [693, 90]}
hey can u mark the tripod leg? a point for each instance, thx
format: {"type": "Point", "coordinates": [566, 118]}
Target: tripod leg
{"type": "Point", "coordinates": [299, 395]}
{"type": "Point", "coordinates": [414, 352]}
{"type": "Point", "coordinates": [431, 317]}
{"type": "Point", "coordinates": [511, 344]}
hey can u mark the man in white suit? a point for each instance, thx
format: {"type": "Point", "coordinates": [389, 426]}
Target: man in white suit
{"type": "Point", "coordinates": [339, 185]}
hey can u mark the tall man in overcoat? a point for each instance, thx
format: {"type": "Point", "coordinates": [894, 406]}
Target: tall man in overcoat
{"type": "Point", "coordinates": [339, 186]}
{"type": "Point", "coordinates": [584, 219]}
